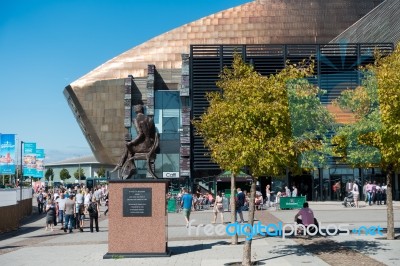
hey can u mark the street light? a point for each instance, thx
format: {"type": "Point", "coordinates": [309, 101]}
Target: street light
{"type": "Point", "coordinates": [22, 172]}
{"type": "Point", "coordinates": [79, 163]}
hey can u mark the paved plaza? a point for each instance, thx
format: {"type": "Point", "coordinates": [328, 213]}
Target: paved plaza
{"type": "Point", "coordinates": [32, 245]}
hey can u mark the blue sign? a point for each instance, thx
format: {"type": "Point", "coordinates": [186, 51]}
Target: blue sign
{"type": "Point", "coordinates": [7, 154]}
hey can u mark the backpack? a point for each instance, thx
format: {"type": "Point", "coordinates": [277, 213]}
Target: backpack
{"type": "Point", "coordinates": [92, 209]}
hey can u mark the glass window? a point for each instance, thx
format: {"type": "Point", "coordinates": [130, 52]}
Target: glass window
{"type": "Point", "coordinates": [167, 163]}
{"type": "Point", "coordinates": [167, 118]}
{"type": "Point", "coordinates": [167, 100]}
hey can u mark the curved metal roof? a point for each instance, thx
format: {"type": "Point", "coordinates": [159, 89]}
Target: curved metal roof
{"type": "Point", "coordinates": [97, 97]}
{"type": "Point", "coordinates": [257, 22]}
{"type": "Point", "coordinates": [382, 24]}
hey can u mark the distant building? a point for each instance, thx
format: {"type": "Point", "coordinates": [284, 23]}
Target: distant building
{"type": "Point", "coordinates": [88, 164]}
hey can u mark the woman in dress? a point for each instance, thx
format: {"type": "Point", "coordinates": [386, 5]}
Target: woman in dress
{"type": "Point", "coordinates": [51, 212]}
{"type": "Point", "coordinates": [268, 194]}
{"type": "Point", "coordinates": [218, 208]}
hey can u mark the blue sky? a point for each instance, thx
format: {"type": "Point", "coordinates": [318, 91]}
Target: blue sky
{"type": "Point", "coordinates": [47, 44]}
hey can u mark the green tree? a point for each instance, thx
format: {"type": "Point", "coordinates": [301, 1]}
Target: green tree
{"type": "Point", "coordinates": [80, 173]}
{"type": "Point", "coordinates": [248, 124]}
{"type": "Point", "coordinates": [64, 174]}
{"type": "Point", "coordinates": [374, 139]}
{"type": "Point", "coordinates": [49, 175]}
{"type": "Point", "coordinates": [311, 123]}
{"type": "Point", "coordinates": [101, 172]}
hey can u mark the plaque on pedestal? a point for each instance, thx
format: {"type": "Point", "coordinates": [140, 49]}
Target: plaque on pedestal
{"type": "Point", "coordinates": [137, 223]}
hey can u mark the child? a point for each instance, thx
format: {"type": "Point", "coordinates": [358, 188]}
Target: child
{"type": "Point", "coordinates": [81, 217]}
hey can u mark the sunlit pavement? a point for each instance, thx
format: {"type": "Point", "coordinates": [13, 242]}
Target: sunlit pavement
{"type": "Point", "coordinates": [36, 246]}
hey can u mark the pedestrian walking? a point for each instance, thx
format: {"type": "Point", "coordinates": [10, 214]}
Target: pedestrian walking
{"type": "Point", "coordinates": [186, 205]}
{"type": "Point", "coordinates": [40, 201]}
{"type": "Point", "coordinates": [50, 214]}
{"type": "Point", "coordinates": [240, 200]}
{"type": "Point", "coordinates": [69, 213]}
{"type": "Point", "coordinates": [218, 208]}
{"type": "Point", "coordinates": [94, 214]}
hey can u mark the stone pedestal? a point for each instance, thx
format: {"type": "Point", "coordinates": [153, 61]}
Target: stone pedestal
{"type": "Point", "coordinates": [137, 223]}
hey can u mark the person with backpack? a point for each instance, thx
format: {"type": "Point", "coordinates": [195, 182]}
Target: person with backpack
{"type": "Point", "coordinates": [40, 201]}
{"type": "Point", "coordinates": [94, 211]}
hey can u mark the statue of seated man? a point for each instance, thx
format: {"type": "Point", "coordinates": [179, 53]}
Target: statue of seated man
{"type": "Point", "coordinates": [143, 143]}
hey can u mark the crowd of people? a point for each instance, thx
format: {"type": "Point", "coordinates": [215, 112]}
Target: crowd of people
{"type": "Point", "coordinates": [375, 193]}
{"type": "Point", "coordinates": [200, 201]}
{"type": "Point", "coordinates": [69, 207]}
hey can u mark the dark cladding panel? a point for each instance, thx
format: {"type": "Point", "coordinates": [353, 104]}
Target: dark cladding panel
{"type": "Point", "coordinates": [336, 69]}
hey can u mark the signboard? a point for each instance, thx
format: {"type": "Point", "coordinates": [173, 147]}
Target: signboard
{"type": "Point", "coordinates": [170, 174]}
{"type": "Point", "coordinates": [7, 154]}
{"type": "Point", "coordinates": [39, 163]}
{"type": "Point", "coordinates": [29, 160]}
{"type": "Point", "coordinates": [137, 202]}
{"type": "Point", "coordinates": [292, 202]}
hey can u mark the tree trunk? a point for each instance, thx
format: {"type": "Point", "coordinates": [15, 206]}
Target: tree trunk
{"type": "Point", "coordinates": [389, 203]}
{"type": "Point", "coordinates": [246, 261]}
{"type": "Point", "coordinates": [234, 240]}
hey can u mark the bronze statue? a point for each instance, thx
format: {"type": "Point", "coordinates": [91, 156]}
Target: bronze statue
{"type": "Point", "coordinates": [143, 147]}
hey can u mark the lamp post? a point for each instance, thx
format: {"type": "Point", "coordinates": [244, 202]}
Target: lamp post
{"type": "Point", "coordinates": [79, 173]}
{"type": "Point", "coordinates": [22, 172]}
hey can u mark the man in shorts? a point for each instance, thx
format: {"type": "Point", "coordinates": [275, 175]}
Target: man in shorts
{"type": "Point", "coordinates": [186, 204]}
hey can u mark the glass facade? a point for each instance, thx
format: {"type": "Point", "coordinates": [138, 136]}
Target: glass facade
{"type": "Point", "coordinates": [167, 118]}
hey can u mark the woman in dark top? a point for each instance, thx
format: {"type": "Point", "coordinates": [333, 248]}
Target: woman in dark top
{"type": "Point", "coordinates": [51, 214]}
{"type": "Point", "coordinates": [94, 214]}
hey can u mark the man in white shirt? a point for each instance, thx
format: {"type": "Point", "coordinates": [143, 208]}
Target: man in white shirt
{"type": "Point", "coordinates": [79, 197]}
{"type": "Point", "coordinates": [56, 194]}
{"type": "Point", "coordinates": [294, 192]}
{"type": "Point", "coordinates": [384, 188]}
{"type": "Point", "coordinates": [87, 199]}
{"type": "Point", "coordinates": [61, 209]}
{"type": "Point", "coordinates": [99, 195]}
{"type": "Point", "coordinates": [78, 204]}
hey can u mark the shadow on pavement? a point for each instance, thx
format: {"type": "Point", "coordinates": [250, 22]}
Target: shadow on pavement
{"type": "Point", "coordinates": [329, 246]}
{"type": "Point", "coordinates": [259, 262]}
{"type": "Point", "coordinates": [7, 247]}
{"type": "Point", "coordinates": [20, 231]}
{"type": "Point", "coordinates": [194, 248]}
{"type": "Point", "coordinates": [49, 233]}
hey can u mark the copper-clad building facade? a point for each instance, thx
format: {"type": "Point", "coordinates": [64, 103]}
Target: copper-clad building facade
{"type": "Point", "coordinates": [96, 98]}
{"type": "Point", "coordinates": [158, 72]}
